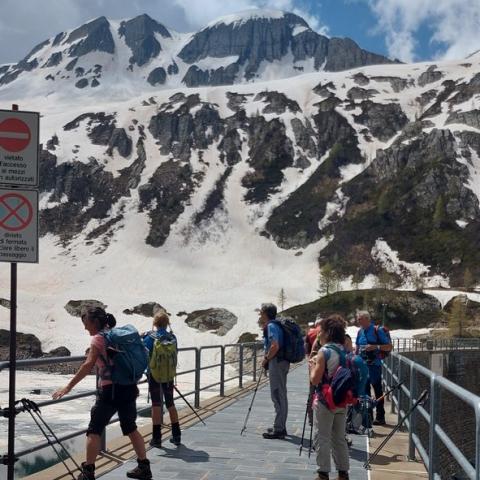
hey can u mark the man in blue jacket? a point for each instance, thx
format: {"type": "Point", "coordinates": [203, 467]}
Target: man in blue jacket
{"type": "Point", "coordinates": [277, 369]}
{"type": "Point", "coordinates": [372, 344]}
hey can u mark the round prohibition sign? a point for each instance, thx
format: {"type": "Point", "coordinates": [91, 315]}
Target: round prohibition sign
{"type": "Point", "coordinates": [15, 135]}
{"type": "Point", "coordinates": [16, 212]}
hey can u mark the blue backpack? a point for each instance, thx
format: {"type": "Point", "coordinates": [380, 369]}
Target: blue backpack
{"type": "Point", "coordinates": [127, 353]}
{"type": "Point", "coordinates": [293, 349]}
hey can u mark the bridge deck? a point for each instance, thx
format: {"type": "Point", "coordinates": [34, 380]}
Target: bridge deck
{"type": "Point", "coordinates": [217, 451]}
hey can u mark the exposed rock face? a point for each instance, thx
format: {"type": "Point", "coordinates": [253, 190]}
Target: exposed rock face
{"type": "Point", "coordinates": [95, 37]}
{"type": "Point", "coordinates": [58, 352]}
{"type": "Point", "coordinates": [258, 40]}
{"type": "Point", "coordinates": [431, 75]}
{"type": "Point", "coordinates": [383, 120]}
{"type": "Point", "coordinates": [472, 118]}
{"type": "Point", "coordinates": [218, 320]}
{"type": "Point", "coordinates": [415, 191]}
{"type": "Point", "coordinates": [357, 93]}
{"type": "Point", "coordinates": [82, 83]}
{"type": "Point", "coordinates": [270, 152]}
{"type": "Point", "coordinates": [121, 141]}
{"type": "Point", "coordinates": [277, 103]}
{"type": "Point", "coordinates": [398, 84]}
{"type": "Point", "coordinates": [148, 310]}
{"type": "Point", "coordinates": [139, 34]}
{"type": "Point", "coordinates": [170, 187]}
{"type": "Point", "coordinates": [179, 131]}
{"type": "Point", "coordinates": [157, 76]}
{"type": "Point", "coordinates": [54, 60]}
{"type": "Point", "coordinates": [75, 307]}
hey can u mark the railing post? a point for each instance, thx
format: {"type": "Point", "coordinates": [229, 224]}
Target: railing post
{"type": "Point", "coordinates": [222, 371]}
{"type": "Point", "coordinates": [254, 363]}
{"type": "Point", "coordinates": [432, 444]}
{"type": "Point", "coordinates": [411, 423]}
{"type": "Point", "coordinates": [198, 361]}
{"type": "Point", "coordinates": [477, 442]}
{"type": "Point", "coordinates": [399, 392]}
{"type": "Point", "coordinates": [240, 367]}
{"type": "Point", "coordinates": [392, 403]}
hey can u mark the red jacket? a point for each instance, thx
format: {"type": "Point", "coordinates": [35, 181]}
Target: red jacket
{"type": "Point", "coordinates": [312, 335]}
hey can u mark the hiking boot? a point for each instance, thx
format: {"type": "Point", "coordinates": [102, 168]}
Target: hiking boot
{"type": "Point", "coordinates": [272, 435]}
{"type": "Point", "coordinates": [87, 473]}
{"type": "Point", "coordinates": [141, 471]}
{"type": "Point", "coordinates": [349, 440]}
{"type": "Point", "coordinates": [343, 476]}
{"type": "Point", "coordinates": [379, 421]}
{"type": "Point", "coordinates": [176, 434]}
{"type": "Point", "coordinates": [322, 476]}
{"type": "Point", "coordinates": [156, 442]}
{"type": "Point", "coordinates": [271, 430]}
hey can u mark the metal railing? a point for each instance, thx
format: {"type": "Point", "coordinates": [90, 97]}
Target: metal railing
{"type": "Point", "coordinates": [429, 344]}
{"type": "Point", "coordinates": [450, 411]}
{"type": "Point", "coordinates": [244, 355]}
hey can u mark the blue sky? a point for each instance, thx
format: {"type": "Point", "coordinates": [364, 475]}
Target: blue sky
{"type": "Point", "coordinates": [411, 30]}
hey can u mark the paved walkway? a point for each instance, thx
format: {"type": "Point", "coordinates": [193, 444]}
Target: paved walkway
{"type": "Point", "coordinates": [218, 452]}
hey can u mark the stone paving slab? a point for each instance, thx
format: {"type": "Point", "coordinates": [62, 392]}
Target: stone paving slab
{"type": "Point", "coordinates": [218, 452]}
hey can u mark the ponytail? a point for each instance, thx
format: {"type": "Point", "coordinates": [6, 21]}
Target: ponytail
{"type": "Point", "coordinates": [111, 321]}
{"type": "Point", "coordinates": [100, 316]}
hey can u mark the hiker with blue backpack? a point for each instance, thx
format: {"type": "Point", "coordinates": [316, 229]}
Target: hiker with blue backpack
{"type": "Point", "coordinates": [334, 383]}
{"type": "Point", "coordinates": [120, 359]}
{"type": "Point", "coordinates": [283, 344]}
{"type": "Point", "coordinates": [163, 352]}
{"type": "Point", "coordinates": [373, 344]}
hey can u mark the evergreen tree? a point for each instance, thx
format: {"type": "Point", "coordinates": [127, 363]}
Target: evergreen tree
{"type": "Point", "coordinates": [329, 280]}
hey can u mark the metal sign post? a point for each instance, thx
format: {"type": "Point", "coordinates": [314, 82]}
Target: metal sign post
{"type": "Point", "coordinates": [19, 134]}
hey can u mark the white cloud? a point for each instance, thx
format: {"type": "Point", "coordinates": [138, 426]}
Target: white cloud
{"type": "Point", "coordinates": [454, 23]}
{"type": "Point", "coordinates": [25, 23]}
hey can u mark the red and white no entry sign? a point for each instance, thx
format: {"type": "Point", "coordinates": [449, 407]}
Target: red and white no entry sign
{"type": "Point", "coordinates": [15, 135]}
{"type": "Point", "coordinates": [19, 148]}
{"type": "Point", "coordinates": [16, 212]}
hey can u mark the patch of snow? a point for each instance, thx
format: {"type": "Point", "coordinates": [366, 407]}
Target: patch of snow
{"type": "Point", "coordinates": [299, 29]}
{"type": "Point", "coordinates": [240, 18]}
{"type": "Point", "coordinates": [409, 272]}
{"type": "Point", "coordinates": [461, 223]}
{"type": "Point", "coordinates": [214, 63]}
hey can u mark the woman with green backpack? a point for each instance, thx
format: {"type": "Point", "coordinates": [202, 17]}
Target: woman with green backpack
{"type": "Point", "coordinates": [162, 347]}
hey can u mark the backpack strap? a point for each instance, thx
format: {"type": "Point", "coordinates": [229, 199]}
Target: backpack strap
{"type": "Point", "coordinates": [340, 353]}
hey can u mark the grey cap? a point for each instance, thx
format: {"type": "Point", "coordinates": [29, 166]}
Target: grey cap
{"type": "Point", "coordinates": [270, 309]}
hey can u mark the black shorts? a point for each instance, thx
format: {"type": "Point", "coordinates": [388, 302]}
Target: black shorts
{"type": "Point", "coordinates": [121, 399]}
{"type": "Point", "coordinates": [159, 391]}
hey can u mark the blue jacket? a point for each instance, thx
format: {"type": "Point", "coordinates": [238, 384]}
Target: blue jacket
{"type": "Point", "coordinates": [371, 337]}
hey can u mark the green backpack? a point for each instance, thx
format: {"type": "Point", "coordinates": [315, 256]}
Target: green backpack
{"type": "Point", "coordinates": [163, 359]}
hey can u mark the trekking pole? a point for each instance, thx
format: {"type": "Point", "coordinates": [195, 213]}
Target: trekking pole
{"type": "Point", "coordinates": [251, 403]}
{"type": "Point", "coordinates": [310, 445]}
{"type": "Point", "coordinates": [395, 387]}
{"type": "Point", "coordinates": [188, 404]}
{"type": "Point", "coordinates": [32, 408]}
{"type": "Point", "coordinates": [420, 400]}
{"type": "Point", "coordinates": [305, 422]}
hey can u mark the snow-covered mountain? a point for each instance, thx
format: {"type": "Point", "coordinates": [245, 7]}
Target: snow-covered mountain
{"type": "Point", "coordinates": [142, 54]}
{"type": "Point", "coordinates": [219, 196]}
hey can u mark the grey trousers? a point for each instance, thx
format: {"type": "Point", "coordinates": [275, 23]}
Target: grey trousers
{"type": "Point", "coordinates": [330, 436]}
{"type": "Point", "coordinates": [278, 371]}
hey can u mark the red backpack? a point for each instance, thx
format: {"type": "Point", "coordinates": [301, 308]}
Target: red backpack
{"type": "Point", "coordinates": [337, 391]}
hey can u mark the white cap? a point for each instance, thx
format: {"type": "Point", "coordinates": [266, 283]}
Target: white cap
{"type": "Point", "coordinates": [311, 324]}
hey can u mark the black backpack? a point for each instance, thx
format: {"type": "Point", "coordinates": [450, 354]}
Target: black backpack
{"type": "Point", "coordinates": [293, 349]}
